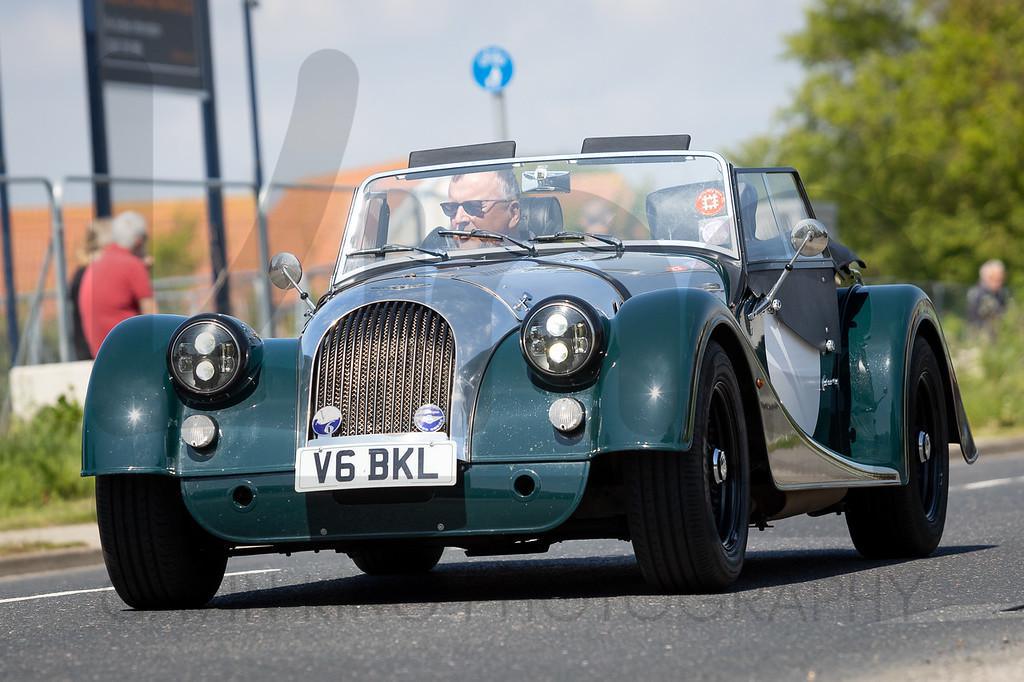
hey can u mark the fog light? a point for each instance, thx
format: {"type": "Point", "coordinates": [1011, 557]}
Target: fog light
{"type": "Point", "coordinates": [199, 431]}
{"type": "Point", "coordinates": [566, 414]}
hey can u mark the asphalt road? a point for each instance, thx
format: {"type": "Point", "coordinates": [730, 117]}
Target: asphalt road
{"type": "Point", "coordinates": [806, 607]}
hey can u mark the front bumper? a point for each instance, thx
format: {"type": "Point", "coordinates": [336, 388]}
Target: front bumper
{"type": "Point", "coordinates": [484, 502]}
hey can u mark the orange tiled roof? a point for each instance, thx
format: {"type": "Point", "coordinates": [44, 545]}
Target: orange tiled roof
{"type": "Point", "coordinates": [307, 222]}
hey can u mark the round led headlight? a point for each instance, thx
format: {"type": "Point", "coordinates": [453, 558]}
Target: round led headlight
{"type": "Point", "coordinates": [208, 355]}
{"type": "Point", "coordinates": [560, 337]}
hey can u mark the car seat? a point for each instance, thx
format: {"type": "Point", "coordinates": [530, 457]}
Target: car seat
{"type": "Point", "coordinates": [672, 212]}
{"type": "Point", "coordinates": [539, 216]}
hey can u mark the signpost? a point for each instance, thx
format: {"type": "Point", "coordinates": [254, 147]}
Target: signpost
{"type": "Point", "coordinates": [153, 43]}
{"type": "Point", "coordinates": [492, 71]}
{"type": "Point", "coordinates": [8, 257]}
{"type": "Point", "coordinates": [159, 44]}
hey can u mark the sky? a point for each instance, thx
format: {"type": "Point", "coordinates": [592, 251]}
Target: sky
{"type": "Point", "coordinates": [582, 68]}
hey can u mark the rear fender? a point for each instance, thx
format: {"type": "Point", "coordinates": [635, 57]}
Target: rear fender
{"type": "Point", "coordinates": [880, 326]}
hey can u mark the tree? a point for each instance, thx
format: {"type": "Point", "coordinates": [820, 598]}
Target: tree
{"type": "Point", "coordinates": [911, 119]}
{"type": "Point", "coordinates": [173, 252]}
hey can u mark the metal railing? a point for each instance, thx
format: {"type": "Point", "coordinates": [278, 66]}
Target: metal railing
{"type": "Point", "coordinates": [54, 254]}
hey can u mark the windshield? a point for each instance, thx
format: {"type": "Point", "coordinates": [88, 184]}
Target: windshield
{"type": "Point", "coordinates": [529, 206]}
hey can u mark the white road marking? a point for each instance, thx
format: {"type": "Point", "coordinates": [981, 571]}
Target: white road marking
{"type": "Point", "coordinates": [991, 483]}
{"type": "Point", "coordinates": [50, 595]}
{"type": "Point", "coordinates": [258, 570]}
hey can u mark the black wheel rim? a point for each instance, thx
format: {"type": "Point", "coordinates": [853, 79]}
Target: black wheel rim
{"type": "Point", "coordinates": [725, 495]}
{"type": "Point", "coordinates": [929, 480]}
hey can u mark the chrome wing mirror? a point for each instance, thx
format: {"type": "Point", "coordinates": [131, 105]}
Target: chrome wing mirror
{"type": "Point", "coordinates": [285, 272]}
{"type": "Point", "coordinates": [809, 238]}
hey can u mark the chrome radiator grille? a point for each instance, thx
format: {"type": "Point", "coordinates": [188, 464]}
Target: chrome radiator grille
{"type": "Point", "coordinates": [381, 362]}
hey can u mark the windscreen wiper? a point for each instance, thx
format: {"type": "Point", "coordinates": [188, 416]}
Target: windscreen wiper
{"type": "Point", "coordinates": [398, 248]}
{"type": "Point", "coordinates": [487, 234]}
{"type": "Point", "coordinates": [567, 235]}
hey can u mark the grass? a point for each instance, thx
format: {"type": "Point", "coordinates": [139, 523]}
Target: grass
{"type": "Point", "coordinates": [990, 372]}
{"type": "Point", "coordinates": [40, 461]}
{"type": "Point", "coordinates": [54, 513]}
{"type": "Point", "coordinates": [12, 548]}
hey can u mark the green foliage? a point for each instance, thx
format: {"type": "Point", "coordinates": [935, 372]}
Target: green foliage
{"type": "Point", "coordinates": [841, 32]}
{"type": "Point", "coordinates": [40, 460]}
{"type": "Point", "coordinates": [990, 372]}
{"type": "Point", "coordinates": [173, 253]}
{"type": "Point", "coordinates": [911, 119]}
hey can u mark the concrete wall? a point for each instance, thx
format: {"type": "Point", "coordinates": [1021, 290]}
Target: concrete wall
{"type": "Point", "coordinates": [36, 386]}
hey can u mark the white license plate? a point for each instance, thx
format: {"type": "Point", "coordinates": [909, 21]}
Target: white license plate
{"type": "Point", "coordinates": [393, 461]}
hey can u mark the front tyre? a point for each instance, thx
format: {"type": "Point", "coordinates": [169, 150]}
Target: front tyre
{"type": "Point", "coordinates": [907, 521]}
{"type": "Point", "coordinates": [157, 556]}
{"type": "Point", "coordinates": [396, 559]}
{"type": "Point", "coordinates": [688, 511]}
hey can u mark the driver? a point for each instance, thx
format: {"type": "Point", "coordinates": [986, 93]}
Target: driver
{"type": "Point", "coordinates": [483, 201]}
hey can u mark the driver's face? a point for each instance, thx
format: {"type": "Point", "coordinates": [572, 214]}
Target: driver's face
{"type": "Point", "coordinates": [499, 215]}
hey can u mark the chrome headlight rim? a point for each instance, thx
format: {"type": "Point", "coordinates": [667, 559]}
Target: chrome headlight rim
{"type": "Point", "coordinates": [595, 324]}
{"type": "Point", "coordinates": [247, 343]}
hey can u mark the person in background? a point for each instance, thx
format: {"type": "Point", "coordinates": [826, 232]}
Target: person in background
{"type": "Point", "coordinates": [116, 285]}
{"type": "Point", "coordinates": [987, 300]}
{"type": "Point", "coordinates": [97, 235]}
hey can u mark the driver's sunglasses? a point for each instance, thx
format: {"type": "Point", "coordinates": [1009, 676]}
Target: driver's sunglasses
{"type": "Point", "coordinates": [474, 207]}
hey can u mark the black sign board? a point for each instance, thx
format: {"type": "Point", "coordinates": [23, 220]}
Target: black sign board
{"type": "Point", "coordinates": [153, 42]}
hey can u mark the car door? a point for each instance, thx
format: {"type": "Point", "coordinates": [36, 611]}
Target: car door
{"type": "Point", "coordinates": [799, 340]}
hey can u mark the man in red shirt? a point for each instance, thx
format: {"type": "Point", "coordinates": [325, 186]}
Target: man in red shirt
{"type": "Point", "coordinates": [116, 285]}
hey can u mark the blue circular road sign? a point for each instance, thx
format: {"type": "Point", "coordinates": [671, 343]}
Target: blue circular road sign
{"type": "Point", "coordinates": [492, 68]}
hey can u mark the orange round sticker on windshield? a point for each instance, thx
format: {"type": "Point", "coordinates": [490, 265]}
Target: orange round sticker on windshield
{"type": "Point", "coordinates": [710, 202]}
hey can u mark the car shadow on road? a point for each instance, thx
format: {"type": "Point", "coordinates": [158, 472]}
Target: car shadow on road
{"type": "Point", "coordinates": [564, 578]}
{"type": "Point", "coordinates": [777, 568]}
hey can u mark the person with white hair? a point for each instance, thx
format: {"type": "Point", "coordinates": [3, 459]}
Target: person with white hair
{"type": "Point", "coordinates": [987, 300]}
{"type": "Point", "coordinates": [116, 285]}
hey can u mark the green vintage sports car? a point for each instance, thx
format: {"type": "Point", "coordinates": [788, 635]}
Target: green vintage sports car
{"type": "Point", "coordinates": [639, 341]}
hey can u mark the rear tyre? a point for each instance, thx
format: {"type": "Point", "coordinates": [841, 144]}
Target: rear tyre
{"type": "Point", "coordinates": [907, 521]}
{"type": "Point", "coordinates": [688, 521]}
{"type": "Point", "coordinates": [397, 559]}
{"type": "Point", "coordinates": [157, 556]}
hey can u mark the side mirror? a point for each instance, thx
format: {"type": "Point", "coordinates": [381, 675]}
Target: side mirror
{"type": "Point", "coordinates": [809, 237]}
{"type": "Point", "coordinates": [285, 271]}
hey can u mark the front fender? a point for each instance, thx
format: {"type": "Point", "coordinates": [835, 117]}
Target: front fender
{"type": "Point", "coordinates": [132, 414]}
{"type": "Point", "coordinates": [649, 376]}
{"type": "Point", "coordinates": [132, 417]}
{"type": "Point", "coordinates": [880, 324]}
{"type": "Point", "coordinates": [642, 399]}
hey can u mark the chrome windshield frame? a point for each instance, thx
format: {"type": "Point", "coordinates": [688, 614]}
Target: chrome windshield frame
{"type": "Point", "coordinates": [360, 199]}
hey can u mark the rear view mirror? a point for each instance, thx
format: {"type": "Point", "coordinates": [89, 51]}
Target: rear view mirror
{"type": "Point", "coordinates": [542, 180]}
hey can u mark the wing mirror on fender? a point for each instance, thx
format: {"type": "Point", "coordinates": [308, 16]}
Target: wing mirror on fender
{"type": "Point", "coordinates": [285, 272]}
{"type": "Point", "coordinates": [809, 238]}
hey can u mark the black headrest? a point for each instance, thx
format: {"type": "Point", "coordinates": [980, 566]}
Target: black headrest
{"type": "Point", "coordinates": [672, 212]}
{"type": "Point", "coordinates": [539, 215]}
